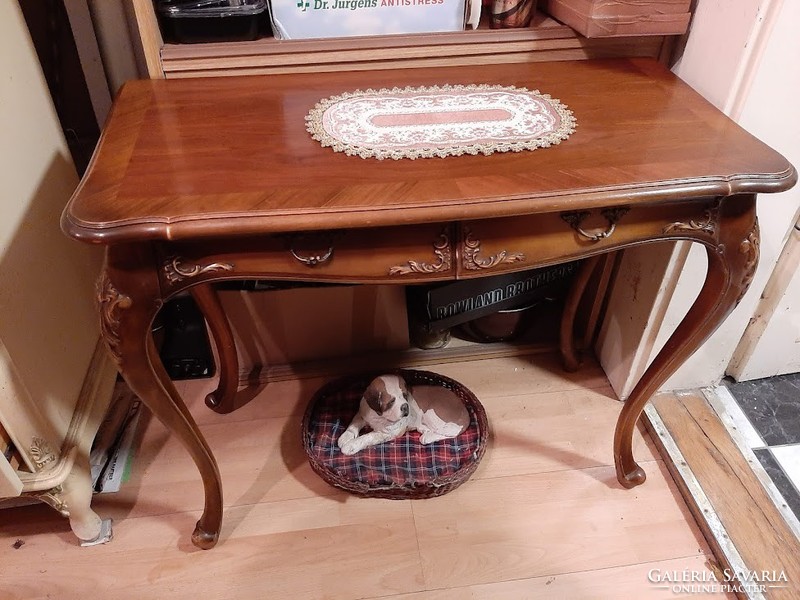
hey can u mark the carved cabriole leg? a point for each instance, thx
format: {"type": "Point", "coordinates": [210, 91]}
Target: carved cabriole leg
{"type": "Point", "coordinates": [76, 491]}
{"type": "Point", "coordinates": [732, 258]}
{"type": "Point", "coordinates": [221, 399]}
{"type": "Point", "coordinates": [129, 298]}
{"type": "Point", "coordinates": [72, 497]}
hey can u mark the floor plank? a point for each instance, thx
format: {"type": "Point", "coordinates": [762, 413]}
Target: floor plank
{"type": "Point", "coordinates": [550, 523]}
{"type": "Point", "coordinates": [543, 511]}
{"type": "Point", "coordinates": [629, 581]}
{"type": "Point", "coordinates": [565, 426]}
{"type": "Point", "coordinates": [294, 549]}
{"type": "Point", "coordinates": [553, 431]}
{"type": "Point", "coordinates": [752, 522]}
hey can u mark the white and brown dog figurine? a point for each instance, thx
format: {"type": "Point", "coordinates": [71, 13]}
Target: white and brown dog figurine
{"type": "Point", "coordinates": [391, 410]}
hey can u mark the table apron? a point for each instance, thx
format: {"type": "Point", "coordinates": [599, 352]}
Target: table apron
{"type": "Point", "coordinates": [432, 252]}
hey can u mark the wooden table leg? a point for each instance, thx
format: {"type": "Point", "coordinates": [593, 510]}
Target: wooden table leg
{"type": "Point", "coordinates": [569, 353]}
{"type": "Point", "coordinates": [129, 297]}
{"type": "Point", "coordinates": [220, 400]}
{"type": "Point", "coordinates": [605, 267]}
{"type": "Point", "coordinates": [732, 239]}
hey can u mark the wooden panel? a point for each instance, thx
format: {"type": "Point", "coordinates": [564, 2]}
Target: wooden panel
{"type": "Point", "coordinates": [753, 523]}
{"type": "Point", "coordinates": [619, 8]}
{"type": "Point", "coordinates": [8, 450]}
{"type": "Point", "coordinates": [501, 245]}
{"type": "Point", "coordinates": [602, 19]}
{"type": "Point", "coordinates": [543, 28]}
{"type": "Point", "coordinates": [150, 36]}
{"type": "Point", "coordinates": [10, 484]}
{"type": "Point", "coordinates": [545, 40]}
{"type": "Point", "coordinates": [333, 326]}
{"type": "Point", "coordinates": [176, 161]}
{"type": "Point", "coordinates": [387, 254]}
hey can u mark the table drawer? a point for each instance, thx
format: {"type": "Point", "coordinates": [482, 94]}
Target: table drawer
{"type": "Point", "coordinates": [517, 243]}
{"type": "Point", "coordinates": [383, 254]}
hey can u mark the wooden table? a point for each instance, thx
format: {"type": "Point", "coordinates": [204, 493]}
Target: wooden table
{"type": "Point", "coordinates": [197, 181]}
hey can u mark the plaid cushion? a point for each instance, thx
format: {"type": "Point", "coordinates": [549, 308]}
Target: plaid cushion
{"type": "Point", "coordinates": [402, 462]}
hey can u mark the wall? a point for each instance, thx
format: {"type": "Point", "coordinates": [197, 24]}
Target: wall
{"type": "Point", "coordinates": [770, 111]}
{"type": "Point", "coordinates": [48, 329]}
{"type": "Point", "coordinates": [762, 99]}
{"type": "Point", "coordinates": [724, 60]}
{"type": "Point", "coordinates": [305, 324]}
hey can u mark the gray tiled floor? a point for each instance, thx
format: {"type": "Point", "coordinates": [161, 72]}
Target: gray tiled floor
{"type": "Point", "coordinates": [771, 407]}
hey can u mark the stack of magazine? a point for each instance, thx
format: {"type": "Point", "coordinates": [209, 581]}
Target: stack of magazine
{"type": "Point", "coordinates": [112, 452]}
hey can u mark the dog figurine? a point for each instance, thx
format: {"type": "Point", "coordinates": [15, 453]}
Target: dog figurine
{"type": "Point", "coordinates": [390, 409]}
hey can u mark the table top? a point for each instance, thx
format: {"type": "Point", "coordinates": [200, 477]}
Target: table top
{"type": "Point", "coordinates": [230, 156]}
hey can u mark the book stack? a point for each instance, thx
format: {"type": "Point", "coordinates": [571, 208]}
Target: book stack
{"type": "Point", "coordinates": [113, 449]}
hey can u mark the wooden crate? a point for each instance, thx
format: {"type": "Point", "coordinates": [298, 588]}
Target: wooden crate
{"type": "Point", "coordinates": [616, 18]}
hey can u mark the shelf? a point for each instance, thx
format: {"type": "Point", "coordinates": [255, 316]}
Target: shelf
{"type": "Point", "coordinates": [545, 39]}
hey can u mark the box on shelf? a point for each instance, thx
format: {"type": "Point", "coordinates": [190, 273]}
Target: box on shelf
{"type": "Point", "coordinates": [444, 305]}
{"type": "Point", "coordinates": [196, 21]}
{"type": "Point", "coordinates": [612, 18]}
{"type": "Point", "coordinates": [307, 19]}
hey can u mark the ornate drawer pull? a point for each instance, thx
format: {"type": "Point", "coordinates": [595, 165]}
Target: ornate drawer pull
{"type": "Point", "coordinates": [314, 259]}
{"type": "Point", "coordinates": [612, 215]}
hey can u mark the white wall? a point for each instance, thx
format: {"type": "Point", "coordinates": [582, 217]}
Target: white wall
{"type": "Point", "coordinates": [48, 329]}
{"type": "Point", "coordinates": [740, 55]}
{"type": "Point", "coordinates": [719, 43]}
{"type": "Point", "coordinates": [768, 110]}
{"type": "Point", "coordinates": [771, 344]}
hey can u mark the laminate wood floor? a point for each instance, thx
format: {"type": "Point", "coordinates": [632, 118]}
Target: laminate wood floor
{"type": "Point", "coordinates": [542, 517]}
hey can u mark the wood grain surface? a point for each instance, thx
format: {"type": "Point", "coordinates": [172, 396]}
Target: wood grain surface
{"type": "Point", "coordinates": [231, 156]}
{"type": "Point", "coordinates": [752, 522]}
{"type": "Point", "coordinates": [543, 517]}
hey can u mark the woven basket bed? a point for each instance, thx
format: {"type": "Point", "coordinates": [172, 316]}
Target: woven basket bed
{"type": "Point", "coordinates": [402, 468]}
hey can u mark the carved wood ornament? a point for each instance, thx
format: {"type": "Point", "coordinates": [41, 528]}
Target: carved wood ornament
{"type": "Point", "coordinates": [177, 269]}
{"type": "Point", "coordinates": [444, 259]}
{"type": "Point", "coordinates": [707, 225]}
{"type": "Point", "coordinates": [41, 452]}
{"type": "Point", "coordinates": [110, 301]}
{"type": "Point", "coordinates": [473, 262]}
{"type": "Point", "coordinates": [750, 247]}
{"type": "Point", "coordinates": [55, 499]}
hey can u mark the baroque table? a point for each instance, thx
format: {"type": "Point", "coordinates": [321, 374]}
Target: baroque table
{"type": "Point", "coordinates": [196, 181]}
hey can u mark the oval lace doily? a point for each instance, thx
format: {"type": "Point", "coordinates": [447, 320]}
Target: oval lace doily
{"type": "Point", "coordinates": [439, 121]}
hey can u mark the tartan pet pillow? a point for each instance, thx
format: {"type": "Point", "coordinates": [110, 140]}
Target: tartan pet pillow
{"type": "Point", "coordinates": [403, 467]}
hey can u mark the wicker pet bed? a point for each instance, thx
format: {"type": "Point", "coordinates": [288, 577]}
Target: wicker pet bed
{"type": "Point", "coordinates": [402, 468]}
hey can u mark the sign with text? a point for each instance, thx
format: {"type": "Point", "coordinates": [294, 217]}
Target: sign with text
{"type": "Point", "coordinates": [442, 306]}
{"type": "Point", "coordinates": [306, 19]}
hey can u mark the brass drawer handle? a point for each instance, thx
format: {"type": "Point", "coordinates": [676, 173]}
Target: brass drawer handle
{"type": "Point", "coordinates": [314, 259]}
{"type": "Point", "coordinates": [612, 215]}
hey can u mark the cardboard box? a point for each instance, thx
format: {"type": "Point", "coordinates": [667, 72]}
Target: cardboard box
{"type": "Point", "coordinates": [617, 18]}
{"type": "Point", "coordinates": [306, 19]}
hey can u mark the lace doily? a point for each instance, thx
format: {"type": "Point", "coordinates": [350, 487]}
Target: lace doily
{"type": "Point", "coordinates": [439, 121]}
